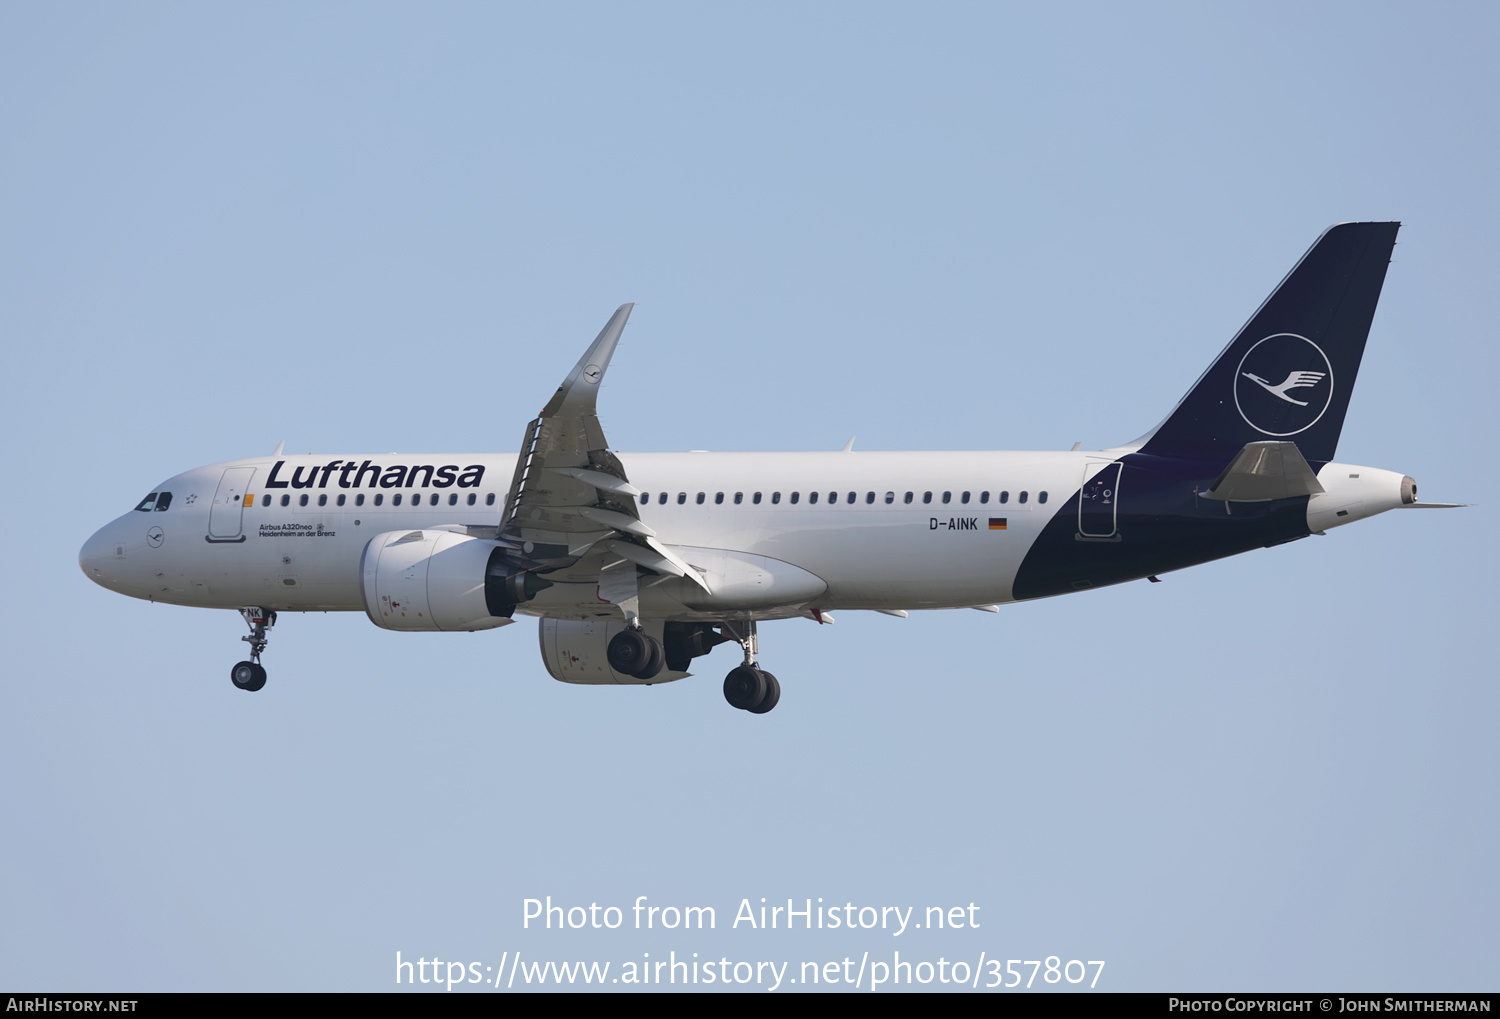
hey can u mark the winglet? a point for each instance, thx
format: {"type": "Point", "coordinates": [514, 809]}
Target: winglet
{"type": "Point", "coordinates": [580, 390]}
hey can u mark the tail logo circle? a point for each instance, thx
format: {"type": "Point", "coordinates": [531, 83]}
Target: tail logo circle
{"type": "Point", "coordinates": [1283, 385]}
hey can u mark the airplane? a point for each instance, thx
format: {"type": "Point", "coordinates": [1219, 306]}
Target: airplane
{"type": "Point", "coordinates": [638, 563]}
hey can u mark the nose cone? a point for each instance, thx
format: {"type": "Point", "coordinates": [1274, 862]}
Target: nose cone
{"type": "Point", "coordinates": [97, 556]}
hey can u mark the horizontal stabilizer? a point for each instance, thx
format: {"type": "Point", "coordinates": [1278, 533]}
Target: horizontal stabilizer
{"type": "Point", "coordinates": [1264, 471]}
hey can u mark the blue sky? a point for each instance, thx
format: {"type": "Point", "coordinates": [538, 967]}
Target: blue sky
{"type": "Point", "coordinates": [360, 227]}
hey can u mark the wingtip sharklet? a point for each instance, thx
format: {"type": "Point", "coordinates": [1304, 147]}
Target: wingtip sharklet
{"type": "Point", "coordinates": [581, 388]}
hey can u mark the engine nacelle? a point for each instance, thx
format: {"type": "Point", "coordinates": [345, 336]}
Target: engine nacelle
{"type": "Point", "coordinates": [576, 651]}
{"type": "Point", "coordinates": [437, 580]}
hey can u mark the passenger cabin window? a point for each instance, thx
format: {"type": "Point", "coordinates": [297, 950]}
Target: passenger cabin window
{"type": "Point", "coordinates": [286, 500]}
{"type": "Point", "coordinates": [718, 498]}
{"type": "Point", "coordinates": [471, 498]}
{"type": "Point", "coordinates": [359, 500]}
{"type": "Point", "coordinates": [833, 497]}
{"type": "Point", "coordinates": [489, 500]}
{"type": "Point", "coordinates": [147, 503]}
{"type": "Point", "coordinates": [341, 500]}
{"type": "Point", "coordinates": [1041, 497]}
{"type": "Point", "coordinates": [739, 497]}
{"type": "Point", "coordinates": [302, 499]}
{"type": "Point", "coordinates": [323, 499]}
{"type": "Point", "coordinates": [379, 498]}
{"type": "Point", "coordinates": [1021, 497]}
{"type": "Point", "coordinates": [1005, 497]}
{"type": "Point", "coordinates": [852, 497]}
{"type": "Point", "coordinates": [890, 497]}
{"type": "Point", "coordinates": [432, 501]}
{"type": "Point", "coordinates": [964, 498]}
{"type": "Point", "coordinates": [984, 497]}
{"type": "Point", "coordinates": [453, 499]}
{"type": "Point", "coordinates": [795, 497]}
{"type": "Point", "coordinates": [908, 497]}
{"type": "Point", "coordinates": [812, 498]}
{"type": "Point", "coordinates": [775, 498]}
{"type": "Point", "coordinates": [926, 496]}
{"type": "Point", "coordinates": [755, 498]}
{"type": "Point", "coordinates": [700, 499]}
{"type": "Point", "coordinates": [681, 498]}
{"type": "Point", "coordinates": [947, 497]}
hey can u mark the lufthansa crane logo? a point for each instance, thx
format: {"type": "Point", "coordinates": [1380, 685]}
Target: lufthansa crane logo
{"type": "Point", "coordinates": [1283, 385]}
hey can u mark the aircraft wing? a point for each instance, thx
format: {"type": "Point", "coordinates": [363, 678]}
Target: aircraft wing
{"type": "Point", "coordinates": [570, 492]}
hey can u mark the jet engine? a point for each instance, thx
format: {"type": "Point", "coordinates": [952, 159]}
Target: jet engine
{"type": "Point", "coordinates": [441, 580]}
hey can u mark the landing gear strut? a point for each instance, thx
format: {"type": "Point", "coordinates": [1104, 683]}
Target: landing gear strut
{"type": "Point", "coordinates": [748, 686]}
{"type": "Point", "coordinates": [251, 675]}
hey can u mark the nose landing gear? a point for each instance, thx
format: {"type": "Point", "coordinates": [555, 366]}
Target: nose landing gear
{"type": "Point", "coordinates": [251, 675]}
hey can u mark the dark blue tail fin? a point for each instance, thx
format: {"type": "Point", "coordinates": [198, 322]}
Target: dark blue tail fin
{"type": "Point", "coordinates": [1289, 373]}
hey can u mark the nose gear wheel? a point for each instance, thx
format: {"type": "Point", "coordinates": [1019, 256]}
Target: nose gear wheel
{"type": "Point", "coordinates": [251, 675]}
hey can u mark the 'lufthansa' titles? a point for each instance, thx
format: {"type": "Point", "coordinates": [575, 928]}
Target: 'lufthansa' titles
{"type": "Point", "coordinates": [371, 475]}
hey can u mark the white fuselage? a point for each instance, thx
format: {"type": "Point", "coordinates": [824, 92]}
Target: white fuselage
{"type": "Point", "coordinates": [923, 530]}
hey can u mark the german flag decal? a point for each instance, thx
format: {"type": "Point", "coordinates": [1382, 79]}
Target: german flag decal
{"type": "Point", "coordinates": [997, 523]}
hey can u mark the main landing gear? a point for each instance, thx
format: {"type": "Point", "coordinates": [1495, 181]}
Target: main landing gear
{"type": "Point", "coordinates": [251, 675]}
{"type": "Point", "coordinates": [636, 653]}
{"type": "Point", "coordinates": [749, 687]}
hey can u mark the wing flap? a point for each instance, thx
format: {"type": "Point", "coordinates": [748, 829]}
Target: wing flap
{"type": "Point", "coordinates": [597, 479]}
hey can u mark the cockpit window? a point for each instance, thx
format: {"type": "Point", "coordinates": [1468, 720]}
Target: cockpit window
{"type": "Point", "coordinates": [147, 503]}
{"type": "Point", "coordinates": [163, 501]}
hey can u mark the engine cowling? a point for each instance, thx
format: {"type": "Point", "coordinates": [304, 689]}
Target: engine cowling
{"type": "Point", "coordinates": [439, 580]}
{"type": "Point", "coordinates": [576, 651]}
